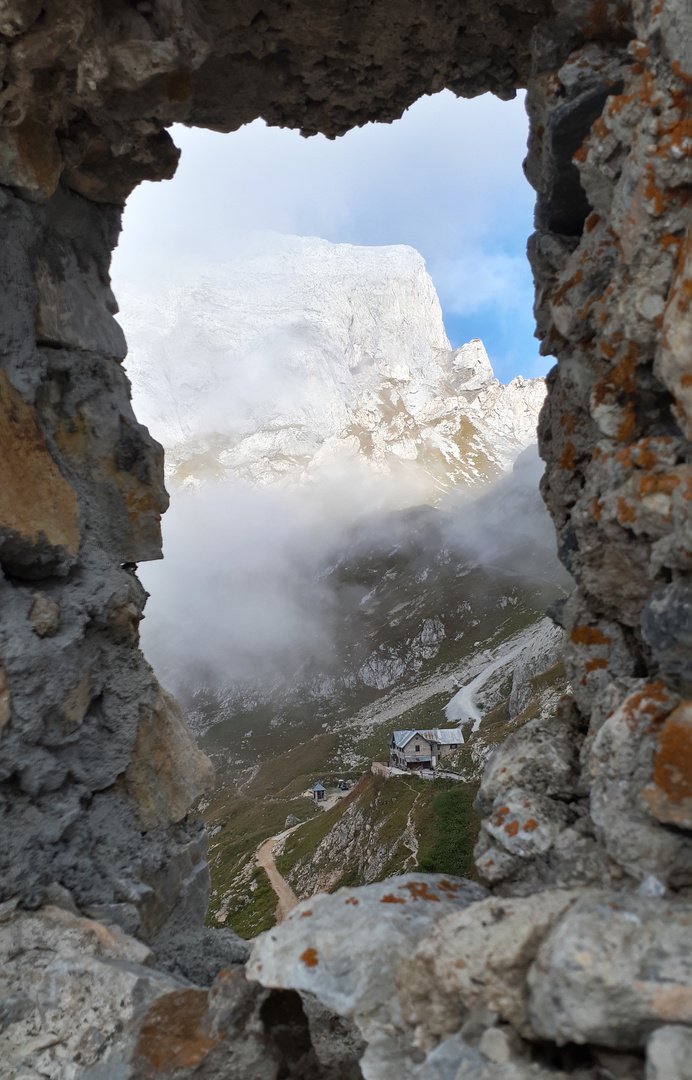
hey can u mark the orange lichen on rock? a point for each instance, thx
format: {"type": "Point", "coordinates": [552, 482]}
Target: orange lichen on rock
{"type": "Point", "coordinates": [626, 513]}
{"type": "Point", "coordinates": [173, 1034]}
{"type": "Point", "coordinates": [651, 701]}
{"type": "Point", "coordinates": [530, 825]}
{"type": "Point", "coordinates": [620, 378]}
{"type": "Point", "coordinates": [595, 664]}
{"type": "Point", "coordinates": [35, 498]}
{"type": "Point", "coordinates": [391, 899]}
{"type": "Point", "coordinates": [678, 69]}
{"type": "Point", "coordinates": [309, 958]}
{"type": "Point", "coordinates": [589, 635]}
{"type": "Point", "coordinates": [512, 828]}
{"type": "Point", "coordinates": [563, 289]}
{"type": "Point", "coordinates": [673, 762]}
{"type": "Point", "coordinates": [567, 459]}
{"type": "Point", "coordinates": [645, 453]}
{"type": "Point", "coordinates": [669, 796]}
{"type": "Point", "coordinates": [419, 891]}
{"type": "Point", "coordinates": [654, 485]}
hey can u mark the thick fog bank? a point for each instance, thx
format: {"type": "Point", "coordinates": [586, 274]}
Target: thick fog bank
{"type": "Point", "coordinates": [259, 587]}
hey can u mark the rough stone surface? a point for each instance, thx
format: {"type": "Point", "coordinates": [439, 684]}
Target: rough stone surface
{"type": "Point", "coordinates": [669, 796]}
{"type": "Point", "coordinates": [669, 1054]}
{"type": "Point", "coordinates": [345, 949]}
{"type": "Point", "coordinates": [615, 968]}
{"type": "Point", "coordinates": [86, 95]}
{"type": "Point", "coordinates": [80, 502]}
{"type": "Point", "coordinates": [68, 986]}
{"type": "Point", "coordinates": [477, 960]}
{"type": "Point", "coordinates": [79, 998]}
{"type": "Point", "coordinates": [39, 514]}
{"type": "Point", "coordinates": [96, 118]}
{"type": "Point", "coordinates": [621, 765]}
{"type": "Point", "coordinates": [167, 774]}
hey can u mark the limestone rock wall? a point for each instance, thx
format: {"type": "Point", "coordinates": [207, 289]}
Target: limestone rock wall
{"type": "Point", "coordinates": [98, 776]}
{"type": "Point", "coordinates": [611, 158]}
{"type": "Point", "coordinates": [97, 770]}
{"type": "Point", "coordinates": [89, 87]}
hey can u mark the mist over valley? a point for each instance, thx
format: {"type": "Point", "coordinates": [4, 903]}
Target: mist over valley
{"type": "Point", "coordinates": [355, 530]}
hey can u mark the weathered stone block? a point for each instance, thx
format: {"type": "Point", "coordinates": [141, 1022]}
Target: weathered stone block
{"type": "Point", "coordinates": [5, 700]}
{"type": "Point", "coordinates": [669, 795]}
{"type": "Point", "coordinates": [621, 764]}
{"type": "Point", "coordinates": [167, 774]}
{"type": "Point", "coordinates": [543, 754]}
{"type": "Point", "coordinates": [69, 987]}
{"type": "Point", "coordinates": [477, 959]}
{"type": "Point", "coordinates": [44, 614]}
{"type": "Point", "coordinates": [346, 949]}
{"type": "Point", "coordinates": [616, 967]}
{"type": "Point", "coordinates": [666, 623]}
{"type": "Point", "coordinates": [75, 309]}
{"type": "Point", "coordinates": [30, 158]}
{"type": "Point", "coordinates": [39, 513]}
{"type": "Point", "coordinates": [669, 1054]}
{"type": "Point", "coordinates": [118, 467]}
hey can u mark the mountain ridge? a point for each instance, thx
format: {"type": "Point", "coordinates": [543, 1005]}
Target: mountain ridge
{"type": "Point", "coordinates": [307, 354]}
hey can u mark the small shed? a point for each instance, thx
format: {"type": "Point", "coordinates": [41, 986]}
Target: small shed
{"type": "Point", "coordinates": [318, 792]}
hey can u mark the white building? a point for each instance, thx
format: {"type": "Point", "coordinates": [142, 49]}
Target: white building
{"type": "Point", "coordinates": [423, 749]}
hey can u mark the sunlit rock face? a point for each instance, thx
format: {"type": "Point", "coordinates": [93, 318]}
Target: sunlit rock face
{"type": "Point", "coordinates": [300, 357]}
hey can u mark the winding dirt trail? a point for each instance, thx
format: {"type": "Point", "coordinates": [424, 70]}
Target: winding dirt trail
{"type": "Point", "coordinates": [265, 857]}
{"type": "Point", "coordinates": [409, 835]}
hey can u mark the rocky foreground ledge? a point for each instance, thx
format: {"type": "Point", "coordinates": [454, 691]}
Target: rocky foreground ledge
{"type": "Point", "coordinates": [419, 977]}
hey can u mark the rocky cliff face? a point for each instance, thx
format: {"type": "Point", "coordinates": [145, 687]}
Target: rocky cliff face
{"type": "Point", "coordinates": [597, 799]}
{"type": "Point", "coordinates": [301, 357]}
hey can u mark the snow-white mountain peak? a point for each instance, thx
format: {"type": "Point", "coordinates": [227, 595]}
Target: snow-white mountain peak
{"type": "Point", "coordinates": [298, 353]}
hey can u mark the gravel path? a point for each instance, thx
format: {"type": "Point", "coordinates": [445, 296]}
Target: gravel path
{"type": "Point", "coordinates": [265, 857]}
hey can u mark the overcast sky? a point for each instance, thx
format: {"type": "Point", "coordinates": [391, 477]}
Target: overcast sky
{"type": "Point", "coordinates": [446, 179]}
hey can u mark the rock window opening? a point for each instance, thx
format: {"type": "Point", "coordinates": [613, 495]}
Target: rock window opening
{"type": "Point", "coordinates": [103, 859]}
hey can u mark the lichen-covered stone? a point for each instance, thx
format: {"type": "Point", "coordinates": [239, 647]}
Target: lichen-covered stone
{"type": "Point", "coordinates": [68, 987]}
{"type": "Point", "coordinates": [669, 795]}
{"type": "Point", "coordinates": [475, 960]}
{"type": "Point", "coordinates": [88, 91]}
{"type": "Point", "coordinates": [346, 948]}
{"type": "Point", "coordinates": [615, 967]}
{"type": "Point", "coordinates": [81, 1000]}
{"type": "Point", "coordinates": [621, 765]}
